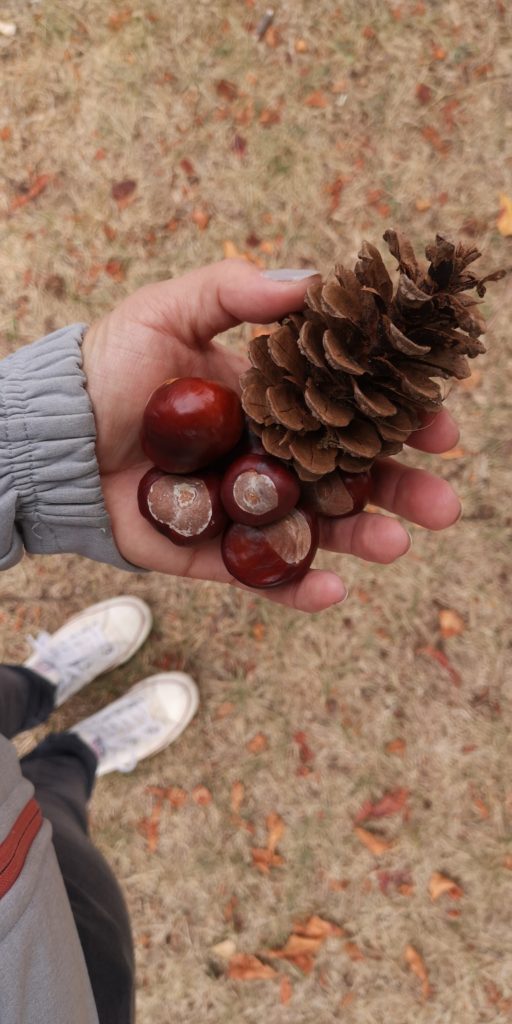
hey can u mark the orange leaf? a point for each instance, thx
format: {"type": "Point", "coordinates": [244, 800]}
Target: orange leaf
{"type": "Point", "coordinates": [390, 803]}
{"type": "Point", "coordinates": [224, 709]}
{"type": "Point", "coordinates": [422, 205]}
{"type": "Point", "coordinates": [504, 221]}
{"type": "Point", "coordinates": [296, 945]}
{"type": "Point", "coordinates": [5, 133]}
{"type": "Point", "coordinates": [440, 884]}
{"type": "Point", "coordinates": [507, 862]}
{"type": "Point", "coordinates": [318, 928]}
{"type": "Point", "coordinates": [317, 99]}
{"type": "Point", "coordinates": [201, 796]}
{"type": "Point", "coordinates": [438, 52]}
{"type": "Point", "coordinates": [115, 270]}
{"type": "Point", "coordinates": [417, 966]}
{"type": "Point", "coordinates": [377, 845]}
{"type": "Point", "coordinates": [432, 136]}
{"type": "Point", "coordinates": [301, 46]}
{"type": "Point", "coordinates": [38, 185]}
{"type": "Point", "coordinates": [264, 860]}
{"type": "Point", "coordinates": [201, 218]}
{"type": "Point", "coordinates": [258, 743]}
{"type": "Point", "coordinates": [269, 116]}
{"type": "Point", "coordinates": [231, 252]}
{"type": "Point", "coordinates": [275, 826]}
{"type": "Point", "coordinates": [237, 796]}
{"type": "Point", "coordinates": [118, 19]}
{"type": "Point", "coordinates": [285, 990]}
{"type": "Point", "coordinates": [353, 951]}
{"type": "Point", "coordinates": [472, 382]}
{"type": "Point", "coordinates": [450, 622]}
{"type": "Point", "coordinates": [259, 631]}
{"type": "Point", "coordinates": [437, 655]}
{"type": "Point", "coordinates": [481, 807]}
{"type": "Point", "coordinates": [176, 796]}
{"type": "Point", "coordinates": [245, 967]}
{"type": "Point", "coordinates": [397, 747]}
{"type": "Point", "coordinates": [305, 753]}
{"type": "Point", "coordinates": [454, 453]}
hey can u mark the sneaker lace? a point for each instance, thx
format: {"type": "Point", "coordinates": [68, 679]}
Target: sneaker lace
{"type": "Point", "coordinates": [89, 650]}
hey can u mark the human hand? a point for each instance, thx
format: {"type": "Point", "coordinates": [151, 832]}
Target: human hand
{"type": "Point", "coordinates": [167, 330]}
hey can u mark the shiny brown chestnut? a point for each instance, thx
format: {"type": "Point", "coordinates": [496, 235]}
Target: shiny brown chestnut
{"type": "Point", "coordinates": [190, 422]}
{"type": "Point", "coordinates": [258, 489]}
{"type": "Point", "coordinates": [338, 494]}
{"type": "Point", "coordinates": [266, 556]}
{"type": "Point", "coordinates": [186, 509]}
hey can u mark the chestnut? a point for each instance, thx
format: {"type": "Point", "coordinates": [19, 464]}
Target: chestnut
{"type": "Point", "coordinates": [258, 489]}
{"type": "Point", "coordinates": [190, 422]}
{"type": "Point", "coordinates": [265, 556]}
{"type": "Point", "coordinates": [338, 494]}
{"type": "Point", "coordinates": [186, 509]}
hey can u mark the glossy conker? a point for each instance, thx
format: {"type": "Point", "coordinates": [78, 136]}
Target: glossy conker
{"type": "Point", "coordinates": [265, 556]}
{"type": "Point", "coordinates": [257, 489]}
{"type": "Point", "coordinates": [190, 422]}
{"type": "Point", "coordinates": [186, 509]}
{"type": "Point", "coordinates": [338, 494]}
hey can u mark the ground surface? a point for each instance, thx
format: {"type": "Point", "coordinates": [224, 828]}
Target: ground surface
{"type": "Point", "coordinates": [344, 119]}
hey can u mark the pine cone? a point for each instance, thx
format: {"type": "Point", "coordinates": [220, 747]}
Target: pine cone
{"type": "Point", "coordinates": [348, 378]}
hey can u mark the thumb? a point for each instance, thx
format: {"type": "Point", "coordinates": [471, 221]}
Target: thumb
{"type": "Point", "coordinates": [207, 301]}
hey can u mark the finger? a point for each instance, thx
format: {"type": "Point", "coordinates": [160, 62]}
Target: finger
{"type": "Point", "coordinates": [315, 592]}
{"type": "Point", "coordinates": [369, 536]}
{"type": "Point", "coordinates": [438, 434]}
{"type": "Point", "coordinates": [210, 300]}
{"type": "Point", "coordinates": [414, 494]}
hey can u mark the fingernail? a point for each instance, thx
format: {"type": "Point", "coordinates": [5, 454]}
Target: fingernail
{"type": "Point", "coordinates": [288, 274]}
{"type": "Point", "coordinates": [341, 600]}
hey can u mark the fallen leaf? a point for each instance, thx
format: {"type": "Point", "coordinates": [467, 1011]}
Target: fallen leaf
{"type": "Point", "coordinates": [239, 145]}
{"type": "Point", "coordinates": [285, 990]}
{"type": "Point", "coordinates": [259, 631]}
{"type": "Point", "coordinates": [507, 862]}
{"type": "Point", "coordinates": [275, 826]}
{"type": "Point", "coordinates": [481, 807]}
{"type": "Point", "coordinates": [347, 1000]}
{"type": "Point", "coordinates": [369, 32]}
{"type": "Point", "coordinates": [245, 967]}
{"type": "Point", "coordinates": [438, 52]}
{"type": "Point", "coordinates": [224, 709]}
{"type": "Point", "coordinates": [116, 270]}
{"type": "Point", "coordinates": [472, 382]}
{"type": "Point", "coordinates": [123, 191]}
{"type": "Point", "coordinates": [376, 844]}
{"type": "Point", "coordinates": [231, 252]}
{"type": "Point", "coordinates": [201, 796]}
{"type": "Point", "coordinates": [149, 827]}
{"type": "Point", "coordinates": [119, 18]}
{"type": "Point", "coordinates": [496, 998]}
{"type": "Point", "coordinates": [440, 884]}
{"type": "Point", "coordinates": [454, 453]}
{"type": "Point", "coordinates": [391, 803]}
{"type": "Point", "coordinates": [264, 859]}
{"type": "Point", "coordinates": [442, 660]}
{"type": "Point", "coordinates": [188, 168]}
{"type": "Point", "coordinates": [305, 753]}
{"type": "Point", "coordinates": [317, 99]}
{"type": "Point", "coordinates": [201, 218]}
{"type": "Point", "coordinates": [176, 796]}
{"type": "Point", "coordinates": [237, 796]}
{"type": "Point", "coordinates": [450, 622]}
{"type": "Point", "coordinates": [34, 190]}
{"type": "Point", "coordinates": [354, 951]}
{"type": "Point", "coordinates": [5, 133]}
{"type": "Point", "coordinates": [318, 927]}
{"type": "Point", "coordinates": [397, 747]}
{"type": "Point", "coordinates": [55, 284]}
{"type": "Point", "coordinates": [400, 879]}
{"type": "Point", "coordinates": [225, 949]}
{"type": "Point", "coordinates": [301, 46]}
{"type": "Point", "coordinates": [258, 744]}
{"type": "Point", "coordinates": [417, 966]}
{"type": "Point", "coordinates": [227, 90]}
{"type": "Point", "coordinates": [432, 136]}
{"type": "Point", "coordinates": [423, 93]}
{"type": "Point", "coordinates": [272, 37]}
{"type": "Point", "coordinates": [504, 221]}
{"type": "Point", "coordinates": [269, 116]}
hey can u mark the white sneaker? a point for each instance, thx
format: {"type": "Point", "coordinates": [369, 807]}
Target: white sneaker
{"type": "Point", "coordinates": [98, 639]}
{"type": "Point", "coordinates": [142, 722]}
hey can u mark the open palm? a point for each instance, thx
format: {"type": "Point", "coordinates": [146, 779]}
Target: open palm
{"type": "Point", "coordinates": [167, 330]}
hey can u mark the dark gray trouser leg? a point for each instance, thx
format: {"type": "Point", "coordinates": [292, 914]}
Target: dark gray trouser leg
{"type": "Point", "coordinates": [62, 770]}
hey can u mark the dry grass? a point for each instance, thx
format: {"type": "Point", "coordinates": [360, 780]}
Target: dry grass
{"type": "Point", "coordinates": [91, 101]}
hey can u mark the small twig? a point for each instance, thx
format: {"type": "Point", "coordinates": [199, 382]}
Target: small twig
{"type": "Point", "coordinates": [265, 23]}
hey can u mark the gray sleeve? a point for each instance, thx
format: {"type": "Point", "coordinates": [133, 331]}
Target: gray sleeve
{"type": "Point", "coordinates": [50, 493]}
